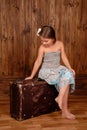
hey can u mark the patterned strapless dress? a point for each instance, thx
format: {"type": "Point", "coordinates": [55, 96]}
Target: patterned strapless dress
{"type": "Point", "coordinates": [55, 74]}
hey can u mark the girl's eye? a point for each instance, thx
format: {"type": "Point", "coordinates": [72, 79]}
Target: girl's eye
{"type": "Point", "coordinates": [45, 41]}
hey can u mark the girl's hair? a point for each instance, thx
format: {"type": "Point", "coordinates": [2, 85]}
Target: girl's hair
{"type": "Point", "coordinates": [47, 32]}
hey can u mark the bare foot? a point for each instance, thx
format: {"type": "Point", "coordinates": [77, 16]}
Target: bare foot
{"type": "Point", "coordinates": [69, 116]}
{"type": "Point", "coordinates": [59, 102]}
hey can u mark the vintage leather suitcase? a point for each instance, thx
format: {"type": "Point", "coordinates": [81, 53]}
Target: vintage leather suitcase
{"type": "Point", "coordinates": [31, 98]}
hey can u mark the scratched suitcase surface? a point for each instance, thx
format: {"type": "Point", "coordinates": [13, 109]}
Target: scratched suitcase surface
{"type": "Point", "coordinates": [31, 98]}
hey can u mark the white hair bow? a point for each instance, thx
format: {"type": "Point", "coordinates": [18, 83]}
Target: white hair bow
{"type": "Point", "coordinates": [38, 31]}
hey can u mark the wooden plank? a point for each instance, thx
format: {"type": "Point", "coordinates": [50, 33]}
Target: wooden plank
{"type": "Point", "coordinates": [28, 39]}
{"type": "Point", "coordinates": [52, 16]}
{"type": "Point", "coordinates": [0, 42]}
{"type": "Point", "coordinates": [34, 30]}
{"type": "Point", "coordinates": [4, 45]}
{"type": "Point", "coordinates": [81, 66]}
{"type": "Point", "coordinates": [19, 39]}
{"type": "Point", "coordinates": [10, 41]}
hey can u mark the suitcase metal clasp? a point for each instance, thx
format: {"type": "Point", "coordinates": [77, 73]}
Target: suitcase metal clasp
{"type": "Point", "coordinates": [32, 84]}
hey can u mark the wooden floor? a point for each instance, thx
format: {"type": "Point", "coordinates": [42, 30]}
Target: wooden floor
{"type": "Point", "coordinates": [52, 121]}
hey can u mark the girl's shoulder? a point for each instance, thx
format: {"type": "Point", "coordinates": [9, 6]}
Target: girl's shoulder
{"type": "Point", "coordinates": [60, 45]}
{"type": "Point", "coordinates": [41, 48]}
{"type": "Point", "coordinates": [59, 42]}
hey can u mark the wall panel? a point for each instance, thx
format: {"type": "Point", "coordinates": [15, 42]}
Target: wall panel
{"type": "Point", "coordinates": [19, 21]}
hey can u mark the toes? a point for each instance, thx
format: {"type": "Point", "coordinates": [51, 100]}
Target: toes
{"type": "Point", "coordinates": [69, 116]}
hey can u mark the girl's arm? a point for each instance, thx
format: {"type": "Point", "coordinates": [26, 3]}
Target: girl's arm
{"type": "Point", "coordinates": [37, 63]}
{"type": "Point", "coordinates": [64, 58]}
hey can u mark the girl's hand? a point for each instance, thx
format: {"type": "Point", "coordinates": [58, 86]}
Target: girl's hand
{"type": "Point", "coordinates": [73, 71]}
{"type": "Point", "coordinates": [28, 78]}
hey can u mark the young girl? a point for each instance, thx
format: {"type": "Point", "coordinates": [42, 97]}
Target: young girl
{"type": "Point", "coordinates": [51, 71]}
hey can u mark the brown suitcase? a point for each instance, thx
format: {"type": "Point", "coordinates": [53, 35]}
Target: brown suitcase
{"type": "Point", "coordinates": [31, 98]}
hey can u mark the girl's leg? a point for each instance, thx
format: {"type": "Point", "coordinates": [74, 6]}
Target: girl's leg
{"type": "Point", "coordinates": [65, 111]}
{"type": "Point", "coordinates": [59, 98]}
{"type": "Point", "coordinates": [62, 100]}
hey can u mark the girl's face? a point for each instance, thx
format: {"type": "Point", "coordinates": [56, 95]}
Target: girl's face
{"type": "Point", "coordinates": [47, 41]}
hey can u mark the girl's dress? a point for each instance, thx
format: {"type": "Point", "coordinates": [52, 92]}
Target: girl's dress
{"type": "Point", "coordinates": [55, 74]}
